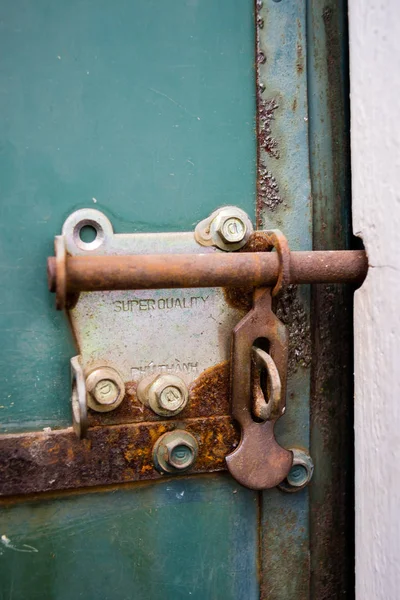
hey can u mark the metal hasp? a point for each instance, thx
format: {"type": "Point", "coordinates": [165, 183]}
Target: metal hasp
{"type": "Point", "coordinates": [221, 254]}
{"type": "Point", "coordinates": [258, 462]}
{"type": "Point", "coordinates": [159, 364]}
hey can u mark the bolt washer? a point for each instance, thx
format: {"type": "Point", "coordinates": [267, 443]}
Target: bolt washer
{"type": "Point", "coordinates": [166, 394]}
{"type": "Point", "coordinates": [105, 389]}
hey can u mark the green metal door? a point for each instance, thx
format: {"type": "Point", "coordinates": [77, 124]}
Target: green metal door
{"type": "Point", "coordinates": [157, 113]}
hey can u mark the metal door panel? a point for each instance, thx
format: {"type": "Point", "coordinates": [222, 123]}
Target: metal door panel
{"type": "Point", "coordinates": [144, 110]}
{"type": "Point", "coordinates": [148, 111]}
{"type": "Point", "coordinates": [180, 539]}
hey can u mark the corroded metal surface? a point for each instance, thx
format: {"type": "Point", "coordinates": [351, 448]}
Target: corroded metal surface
{"type": "Point", "coordinates": [259, 462]}
{"type": "Point", "coordinates": [284, 201]}
{"type": "Point", "coordinates": [101, 273]}
{"type": "Point", "coordinates": [57, 460]}
{"type": "Point", "coordinates": [119, 445]}
{"type": "Point", "coordinates": [208, 396]}
{"type": "Point", "coordinates": [292, 312]}
{"type": "Point", "coordinates": [140, 332]}
{"type": "Point", "coordinates": [332, 517]}
{"type": "Point", "coordinates": [285, 546]}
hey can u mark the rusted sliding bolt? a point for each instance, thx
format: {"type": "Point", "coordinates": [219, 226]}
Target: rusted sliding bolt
{"type": "Point", "coordinates": [73, 274]}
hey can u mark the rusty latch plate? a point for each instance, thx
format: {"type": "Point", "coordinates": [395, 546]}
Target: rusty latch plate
{"type": "Point", "coordinates": [179, 331]}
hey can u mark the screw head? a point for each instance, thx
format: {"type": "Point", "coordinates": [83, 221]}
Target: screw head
{"type": "Point", "coordinates": [227, 228]}
{"type": "Point", "coordinates": [298, 476]}
{"type": "Point", "coordinates": [171, 398]}
{"type": "Point", "coordinates": [232, 230]}
{"type": "Point", "coordinates": [301, 472]}
{"type": "Point", "coordinates": [105, 388]}
{"type": "Point", "coordinates": [180, 455]}
{"type": "Point", "coordinates": [166, 395]}
{"type": "Point", "coordinates": [175, 451]}
{"type": "Point", "coordinates": [106, 392]}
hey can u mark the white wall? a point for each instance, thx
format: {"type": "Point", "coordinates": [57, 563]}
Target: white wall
{"type": "Point", "coordinates": [375, 138]}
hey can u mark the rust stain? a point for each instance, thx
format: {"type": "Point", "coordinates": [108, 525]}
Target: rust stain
{"type": "Point", "coordinates": [331, 419]}
{"type": "Point", "coordinates": [156, 432]}
{"type": "Point", "coordinates": [300, 60]}
{"type": "Point", "coordinates": [208, 395]}
{"type": "Point", "coordinates": [285, 539]}
{"type": "Point", "coordinates": [289, 309]}
{"type": "Point", "coordinates": [242, 298]}
{"type": "Point", "coordinates": [115, 455]}
{"type": "Point", "coordinates": [266, 110]}
{"type": "Point", "coordinates": [299, 49]}
{"type": "Point", "coordinates": [332, 517]}
{"type": "Point", "coordinates": [291, 312]}
{"type": "Point", "coordinates": [268, 194]}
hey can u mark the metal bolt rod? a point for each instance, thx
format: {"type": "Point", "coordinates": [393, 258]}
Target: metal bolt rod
{"type": "Point", "coordinates": [161, 271]}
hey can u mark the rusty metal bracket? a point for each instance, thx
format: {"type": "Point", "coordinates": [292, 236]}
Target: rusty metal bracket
{"type": "Point", "coordinates": [115, 332]}
{"type": "Point", "coordinates": [258, 462]}
{"type": "Point", "coordinates": [58, 460]}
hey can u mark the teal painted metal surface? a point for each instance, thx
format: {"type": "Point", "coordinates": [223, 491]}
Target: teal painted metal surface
{"type": "Point", "coordinates": [182, 539]}
{"type": "Point", "coordinates": [144, 110]}
{"type": "Point", "coordinates": [284, 202]}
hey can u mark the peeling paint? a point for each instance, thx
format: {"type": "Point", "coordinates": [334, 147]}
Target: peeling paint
{"type": "Point", "coordinates": [10, 546]}
{"type": "Point", "coordinates": [291, 312]}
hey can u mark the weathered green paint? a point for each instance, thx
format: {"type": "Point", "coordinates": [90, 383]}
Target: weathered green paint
{"type": "Point", "coordinates": [282, 40]}
{"type": "Point", "coordinates": [286, 552]}
{"type": "Point", "coordinates": [144, 110]}
{"type": "Point", "coordinates": [192, 538]}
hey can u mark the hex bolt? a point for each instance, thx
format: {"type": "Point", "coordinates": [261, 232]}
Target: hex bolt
{"type": "Point", "coordinates": [232, 227]}
{"type": "Point", "coordinates": [171, 398]}
{"type": "Point", "coordinates": [232, 230]}
{"type": "Point", "coordinates": [301, 472]}
{"type": "Point", "coordinates": [166, 395]}
{"type": "Point", "coordinates": [227, 228]}
{"type": "Point", "coordinates": [180, 455]}
{"type": "Point", "coordinates": [298, 476]}
{"type": "Point", "coordinates": [105, 389]}
{"type": "Point", "coordinates": [175, 451]}
{"type": "Point", "coordinates": [106, 392]}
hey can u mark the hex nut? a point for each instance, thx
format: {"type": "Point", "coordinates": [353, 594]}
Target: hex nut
{"type": "Point", "coordinates": [175, 451]}
{"type": "Point", "coordinates": [298, 476]}
{"type": "Point", "coordinates": [166, 395]}
{"type": "Point", "coordinates": [231, 228]}
{"type": "Point", "coordinates": [227, 228]}
{"type": "Point", "coordinates": [301, 472]}
{"type": "Point", "coordinates": [105, 389]}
